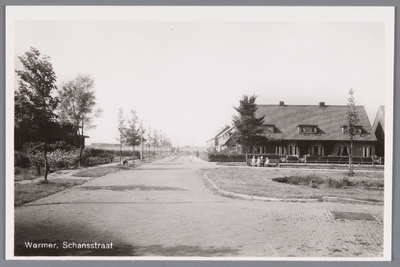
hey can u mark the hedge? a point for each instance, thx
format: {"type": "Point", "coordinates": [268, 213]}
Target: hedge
{"type": "Point", "coordinates": [219, 157]}
{"type": "Point", "coordinates": [340, 160]}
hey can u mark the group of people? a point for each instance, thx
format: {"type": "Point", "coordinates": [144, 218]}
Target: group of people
{"type": "Point", "coordinates": [259, 162]}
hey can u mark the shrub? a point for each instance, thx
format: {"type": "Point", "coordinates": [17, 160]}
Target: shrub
{"type": "Point", "coordinates": [333, 183]}
{"type": "Point", "coordinates": [17, 170]}
{"type": "Point", "coordinates": [300, 180]}
{"type": "Point", "coordinates": [21, 159]}
{"type": "Point", "coordinates": [224, 157]}
{"type": "Point", "coordinates": [34, 151]}
{"type": "Point", "coordinates": [60, 145]}
{"type": "Point", "coordinates": [61, 159]}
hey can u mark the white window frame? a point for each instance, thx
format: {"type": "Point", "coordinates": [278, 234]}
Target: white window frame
{"type": "Point", "coordinates": [367, 151]}
{"type": "Point", "coordinates": [293, 150]}
{"type": "Point", "coordinates": [280, 150]}
{"type": "Point", "coordinates": [320, 151]}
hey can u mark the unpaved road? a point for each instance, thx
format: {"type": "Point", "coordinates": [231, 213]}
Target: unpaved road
{"type": "Point", "coordinates": [165, 209]}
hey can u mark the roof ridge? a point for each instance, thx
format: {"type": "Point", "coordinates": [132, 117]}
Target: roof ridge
{"type": "Point", "coordinates": [277, 105]}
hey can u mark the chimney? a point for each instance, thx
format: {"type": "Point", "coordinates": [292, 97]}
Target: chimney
{"type": "Point", "coordinates": [322, 104]}
{"type": "Point", "coordinates": [281, 103]}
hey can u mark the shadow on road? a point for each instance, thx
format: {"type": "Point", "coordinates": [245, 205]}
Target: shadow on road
{"type": "Point", "coordinates": [132, 188]}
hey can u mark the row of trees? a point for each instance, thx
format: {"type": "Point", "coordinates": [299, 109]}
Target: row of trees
{"type": "Point", "coordinates": [132, 133]}
{"type": "Point", "coordinates": [42, 108]}
{"type": "Point", "coordinates": [249, 132]}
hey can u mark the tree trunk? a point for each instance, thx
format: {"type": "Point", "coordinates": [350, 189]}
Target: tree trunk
{"type": "Point", "coordinates": [80, 150]}
{"type": "Point", "coordinates": [351, 157]}
{"type": "Point", "coordinates": [149, 153]}
{"type": "Point", "coordinates": [120, 152]}
{"type": "Point", "coordinates": [247, 157]}
{"type": "Point", "coordinates": [46, 163]}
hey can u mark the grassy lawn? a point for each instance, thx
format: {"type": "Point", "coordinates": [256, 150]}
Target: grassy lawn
{"type": "Point", "coordinates": [258, 182]}
{"type": "Point", "coordinates": [24, 193]}
{"type": "Point", "coordinates": [21, 174]}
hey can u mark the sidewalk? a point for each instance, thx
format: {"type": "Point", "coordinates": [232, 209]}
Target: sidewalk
{"type": "Point", "coordinates": [65, 174]}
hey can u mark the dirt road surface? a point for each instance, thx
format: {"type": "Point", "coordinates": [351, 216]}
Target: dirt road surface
{"type": "Point", "coordinates": [164, 208]}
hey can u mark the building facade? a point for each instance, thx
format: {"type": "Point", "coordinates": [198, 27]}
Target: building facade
{"type": "Point", "coordinates": [316, 130]}
{"type": "Point", "coordinates": [222, 140]}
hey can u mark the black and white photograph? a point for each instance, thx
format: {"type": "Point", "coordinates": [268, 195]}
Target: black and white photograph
{"type": "Point", "coordinates": [199, 133]}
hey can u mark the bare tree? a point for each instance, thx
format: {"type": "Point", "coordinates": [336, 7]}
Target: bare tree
{"type": "Point", "coordinates": [352, 121]}
{"type": "Point", "coordinates": [121, 130]}
{"type": "Point", "coordinates": [78, 106]}
{"type": "Point", "coordinates": [133, 131]}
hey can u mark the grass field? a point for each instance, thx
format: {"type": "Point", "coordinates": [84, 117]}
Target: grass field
{"type": "Point", "coordinates": [24, 193]}
{"type": "Point", "coordinates": [258, 182]}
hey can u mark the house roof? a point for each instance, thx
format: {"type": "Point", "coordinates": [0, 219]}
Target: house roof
{"type": "Point", "coordinates": [329, 120]}
{"type": "Point", "coordinates": [379, 119]}
{"type": "Point", "coordinates": [221, 132]}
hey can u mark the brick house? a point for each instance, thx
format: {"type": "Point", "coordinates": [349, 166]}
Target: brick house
{"type": "Point", "coordinates": [317, 130]}
{"type": "Point", "coordinates": [222, 140]}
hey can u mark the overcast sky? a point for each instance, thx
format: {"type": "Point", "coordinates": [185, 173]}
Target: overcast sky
{"type": "Point", "coordinates": [184, 77]}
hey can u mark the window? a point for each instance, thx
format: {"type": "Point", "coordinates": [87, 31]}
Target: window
{"type": "Point", "coordinates": [280, 150]}
{"type": "Point", "coordinates": [357, 129]}
{"type": "Point", "coordinates": [344, 151]}
{"type": "Point", "coordinates": [307, 129]}
{"type": "Point", "coordinates": [293, 150]}
{"type": "Point", "coordinates": [269, 128]}
{"type": "Point", "coordinates": [367, 151]}
{"type": "Point", "coordinates": [317, 150]}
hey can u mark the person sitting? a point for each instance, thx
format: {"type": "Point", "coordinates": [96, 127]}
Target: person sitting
{"type": "Point", "coordinates": [258, 161]}
{"type": "Point", "coordinates": [253, 161]}
{"type": "Point", "coordinates": [261, 162]}
{"type": "Point", "coordinates": [266, 162]}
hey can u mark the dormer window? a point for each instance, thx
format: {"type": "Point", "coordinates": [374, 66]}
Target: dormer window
{"type": "Point", "coordinates": [269, 128]}
{"type": "Point", "coordinates": [357, 129]}
{"type": "Point", "coordinates": [307, 129]}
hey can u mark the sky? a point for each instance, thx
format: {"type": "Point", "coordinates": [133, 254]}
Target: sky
{"type": "Point", "coordinates": [184, 77]}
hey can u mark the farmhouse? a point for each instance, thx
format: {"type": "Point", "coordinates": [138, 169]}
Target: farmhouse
{"type": "Point", "coordinates": [317, 130]}
{"type": "Point", "coordinates": [61, 133]}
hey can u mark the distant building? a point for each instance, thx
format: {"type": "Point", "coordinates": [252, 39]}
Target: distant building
{"type": "Point", "coordinates": [222, 140]}
{"type": "Point", "coordinates": [378, 127]}
{"type": "Point", "coordinates": [65, 133]}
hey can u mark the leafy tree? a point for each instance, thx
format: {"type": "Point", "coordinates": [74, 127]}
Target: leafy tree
{"type": "Point", "coordinates": [78, 106]}
{"type": "Point", "coordinates": [248, 128]}
{"type": "Point", "coordinates": [121, 130]}
{"type": "Point", "coordinates": [34, 101]}
{"type": "Point", "coordinates": [132, 133]}
{"type": "Point", "coordinates": [352, 121]}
